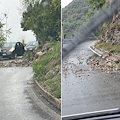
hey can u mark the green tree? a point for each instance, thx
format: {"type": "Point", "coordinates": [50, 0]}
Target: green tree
{"type": "Point", "coordinates": [97, 4]}
{"type": "Point", "coordinates": [45, 22]}
{"type": "Point", "coordinates": [2, 36]}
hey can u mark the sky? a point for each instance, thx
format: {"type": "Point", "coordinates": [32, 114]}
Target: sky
{"type": "Point", "coordinates": [65, 3]}
{"type": "Point", "coordinates": [14, 18]}
{"type": "Point", "coordinates": [13, 21]}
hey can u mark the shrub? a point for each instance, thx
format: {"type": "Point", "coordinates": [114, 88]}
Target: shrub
{"type": "Point", "coordinates": [27, 55]}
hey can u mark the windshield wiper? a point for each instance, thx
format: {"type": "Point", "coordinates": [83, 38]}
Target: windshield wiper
{"type": "Point", "coordinates": [94, 114]}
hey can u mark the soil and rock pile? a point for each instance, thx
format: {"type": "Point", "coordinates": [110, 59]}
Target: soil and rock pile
{"type": "Point", "coordinates": [16, 63]}
{"type": "Point", "coordinates": [108, 62]}
{"type": "Point", "coordinates": [26, 62]}
{"type": "Point", "coordinates": [105, 63]}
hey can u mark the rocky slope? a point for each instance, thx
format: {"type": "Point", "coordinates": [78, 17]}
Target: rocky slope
{"type": "Point", "coordinates": [108, 47]}
{"type": "Point", "coordinates": [111, 33]}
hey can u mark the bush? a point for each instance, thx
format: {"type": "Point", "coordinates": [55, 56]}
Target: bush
{"type": "Point", "coordinates": [55, 87]}
{"type": "Point", "coordinates": [39, 67]}
{"type": "Point", "coordinates": [27, 55]}
{"type": "Point", "coordinates": [43, 66]}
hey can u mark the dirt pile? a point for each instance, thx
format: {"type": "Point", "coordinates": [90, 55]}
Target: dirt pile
{"type": "Point", "coordinates": [16, 63]}
{"type": "Point", "coordinates": [109, 64]}
{"type": "Point", "coordinates": [35, 55]}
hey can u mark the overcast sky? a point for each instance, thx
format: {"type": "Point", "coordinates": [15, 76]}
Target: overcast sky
{"type": "Point", "coordinates": [14, 18]}
{"type": "Point", "coordinates": [13, 21]}
{"type": "Point", "coordinates": [65, 3]}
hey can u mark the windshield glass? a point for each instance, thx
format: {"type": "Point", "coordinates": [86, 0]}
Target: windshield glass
{"type": "Point", "coordinates": [90, 68]}
{"type": "Point", "coordinates": [9, 45]}
{"type": "Point", "coordinates": [35, 43]}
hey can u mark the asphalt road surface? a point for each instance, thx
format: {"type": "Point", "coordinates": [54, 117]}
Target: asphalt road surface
{"type": "Point", "coordinates": [7, 59]}
{"type": "Point", "coordinates": [84, 89]}
{"type": "Point", "coordinates": [20, 98]}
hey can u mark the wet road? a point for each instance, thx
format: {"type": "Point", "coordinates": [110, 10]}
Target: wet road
{"type": "Point", "coordinates": [86, 90]}
{"type": "Point", "coordinates": [5, 60]}
{"type": "Point", "coordinates": [19, 97]}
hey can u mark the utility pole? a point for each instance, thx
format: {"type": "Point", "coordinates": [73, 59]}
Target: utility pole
{"type": "Point", "coordinates": [6, 25]}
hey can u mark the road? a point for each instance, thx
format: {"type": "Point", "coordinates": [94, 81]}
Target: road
{"type": "Point", "coordinates": [20, 98]}
{"type": "Point", "coordinates": [85, 90]}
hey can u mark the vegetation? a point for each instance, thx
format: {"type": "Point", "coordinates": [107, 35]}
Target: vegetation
{"type": "Point", "coordinates": [74, 17]}
{"type": "Point", "coordinates": [109, 47]}
{"type": "Point", "coordinates": [3, 32]}
{"type": "Point", "coordinates": [47, 70]}
{"type": "Point", "coordinates": [108, 27]}
{"type": "Point", "coordinates": [97, 4]}
{"type": "Point", "coordinates": [77, 15]}
{"type": "Point", "coordinates": [43, 17]}
{"type": "Point", "coordinates": [27, 55]}
{"type": "Point", "coordinates": [2, 35]}
{"type": "Point", "coordinates": [45, 22]}
{"type": "Point", "coordinates": [55, 86]}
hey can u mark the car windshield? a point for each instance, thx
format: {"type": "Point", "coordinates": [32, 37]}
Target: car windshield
{"type": "Point", "coordinates": [9, 45]}
{"type": "Point", "coordinates": [35, 43]}
{"type": "Point", "coordinates": [89, 74]}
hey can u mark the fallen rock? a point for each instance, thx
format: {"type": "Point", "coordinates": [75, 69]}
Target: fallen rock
{"type": "Point", "coordinates": [46, 47]}
{"type": "Point", "coordinates": [114, 59]}
{"type": "Point", "coordinates": [105, 55]}
{"type": "Point", "coordinates": [117, 68]}
{"type": "Point", "coordinates": [19, 61]}
{"type": "Point", "coordinates": [109, 64]}
{"type": "Point", "coordinates": [102, 63]}
{"type": "Point", "coordinates": [39, 53]}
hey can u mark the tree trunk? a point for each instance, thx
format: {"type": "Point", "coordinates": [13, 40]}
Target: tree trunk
{"type": "Point", "coordinates": [39, 40]}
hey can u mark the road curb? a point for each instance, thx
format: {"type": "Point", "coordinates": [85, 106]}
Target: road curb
{"type": "Point", "coordinates": [56, 102]}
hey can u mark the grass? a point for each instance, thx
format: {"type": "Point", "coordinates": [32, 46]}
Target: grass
{"type": "Point", "coordinates": [55, 86]}
{"type": "Point", "coordinates": [118, 65]}
{"type": "Point", "coordinates": [46, 70]}
{"type": "Point", "coordinates": [108, 47]}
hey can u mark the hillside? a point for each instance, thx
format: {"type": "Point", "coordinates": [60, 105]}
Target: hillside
{"type": "Point", "coordinates": [47, 68]}
{"type": "Point", "coordinates": [74, 15]}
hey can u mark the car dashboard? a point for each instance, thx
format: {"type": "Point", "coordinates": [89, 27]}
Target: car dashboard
{"type": "Point", "coordinates": [110, 114]}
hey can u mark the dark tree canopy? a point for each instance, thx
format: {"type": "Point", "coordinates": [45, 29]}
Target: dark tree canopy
{"type": "Point", "coordinates": [45, 22]}
{"type": "Point", "coordinates": [74, 15]}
